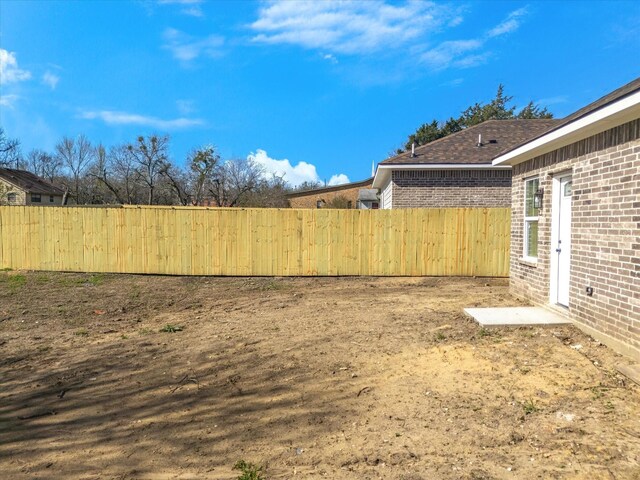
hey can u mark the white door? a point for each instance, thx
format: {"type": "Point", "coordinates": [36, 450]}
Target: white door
{"type": "Point", "coordinates": [562, 236]}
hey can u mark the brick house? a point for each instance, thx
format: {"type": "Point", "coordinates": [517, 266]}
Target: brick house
{"type": "Point", "coordinates": [19, 187]}
{"type": "Point", "coordinates": [575, 234]}
{"type": "Point", "coordinates": [456, 171]}
{"type": "Point", "coordinates": [318, 197]}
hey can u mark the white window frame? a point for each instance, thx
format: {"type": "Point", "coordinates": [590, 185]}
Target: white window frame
{"type": "Point", "coordinates": [527, 222]}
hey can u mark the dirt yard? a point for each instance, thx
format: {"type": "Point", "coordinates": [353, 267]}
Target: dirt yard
{"type": "Point", "coordinates": [339, 378]}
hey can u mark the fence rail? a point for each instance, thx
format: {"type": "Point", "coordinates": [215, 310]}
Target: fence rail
{"type": "Point", "coordinates": [270, 242]}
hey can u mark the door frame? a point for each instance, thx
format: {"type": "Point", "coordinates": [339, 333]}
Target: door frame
{"type": "Point", "coordinates": [556, 192]}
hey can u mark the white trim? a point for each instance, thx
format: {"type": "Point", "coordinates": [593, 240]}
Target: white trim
{"type": "Point", "coordinates": [616, 113]}
{"type": "Point", "coordinates": [553, 258]}
{"type": "Point", "coordinates": [527, 221]}
{"type": "Point", "coordinates": [555, 212]}
{"type": "Point", "coordinates": [442, 166]}
{"type": "Point", "coordinates": [386, 199]}
{"type": "Point", "coordinates": [383, 172]}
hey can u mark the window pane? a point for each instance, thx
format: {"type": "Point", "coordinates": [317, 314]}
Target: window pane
{"type": "Point", "coordinates": [531, 188]}
{"type": "Point", "coordinates": [532, 239]}
{"type": "Point", "coordinates": [567, 189]}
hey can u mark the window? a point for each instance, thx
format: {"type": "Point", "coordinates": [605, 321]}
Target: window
{"type": "Point", "coordinates": [12, 197]}
{"type": "Point", "coordinates": [51, 198]}
{"type": "Point", "coordinates": [531, 186]}
{"type": "Point", "coordinates": [36, 198]}
{"type": "Point", "coordinates": [375, 205]}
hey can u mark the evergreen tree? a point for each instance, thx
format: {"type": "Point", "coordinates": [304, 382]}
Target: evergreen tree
{"type": "Point", "coordinates": [497, 109]}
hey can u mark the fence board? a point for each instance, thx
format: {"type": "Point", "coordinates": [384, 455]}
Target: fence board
{"type": "Point", "coordinates": [270, 242]}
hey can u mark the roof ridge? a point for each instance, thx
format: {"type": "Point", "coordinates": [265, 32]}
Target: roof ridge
{"type": "Point", "coordinates": [464, 130]}
{"type": "Point", "coordinates": [329, 187]}
{"type": "Point", "coordinates": [29, 181]}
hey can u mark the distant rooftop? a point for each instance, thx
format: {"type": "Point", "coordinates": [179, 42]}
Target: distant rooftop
{"type": "Point", "coordinates": [462, 147]}
{"type": "Point", "coordinates": [29, 182]}
{"type": "Point", "coordinates": [335, 188]}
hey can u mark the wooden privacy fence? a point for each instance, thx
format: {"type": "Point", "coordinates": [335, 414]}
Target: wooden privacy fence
{"type": "Point", "coordinates": [277, 242]}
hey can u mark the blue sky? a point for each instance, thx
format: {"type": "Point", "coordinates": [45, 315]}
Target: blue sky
{"type": "Point", "coordinates": [317, 91]}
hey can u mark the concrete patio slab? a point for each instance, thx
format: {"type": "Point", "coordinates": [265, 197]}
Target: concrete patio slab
{"type": "Point", "coordinates": [515, 316]}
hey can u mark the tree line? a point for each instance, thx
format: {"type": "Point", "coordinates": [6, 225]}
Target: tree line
{"type": "Point", "coordinates": [141, 172]}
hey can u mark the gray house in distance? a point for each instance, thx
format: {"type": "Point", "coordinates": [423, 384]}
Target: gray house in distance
{"type": "Point", "coordinates": [19, 187]}
{"type": "Point", "coordinates": [456, 171]}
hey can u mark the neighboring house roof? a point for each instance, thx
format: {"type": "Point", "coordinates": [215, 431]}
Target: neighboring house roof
{"type": "Point", "coordinates": [336, 188]}
{"type": "Point", "coordinates": [29, 182]}
{"type": "Point", "coordinates": [460, 150]}
{"type": "Point", "coordinates": [620, 106]}
{"type": "Point", "coordinates": [462, 147]}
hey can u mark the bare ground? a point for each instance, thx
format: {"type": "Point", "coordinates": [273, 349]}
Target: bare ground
{"type": "Point", "coordinates": [338, 377]}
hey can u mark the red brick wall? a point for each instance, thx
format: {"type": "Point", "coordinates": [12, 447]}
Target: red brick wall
{"type": "Point", "coordinates": [451, 188]}
{"type": "Point", "coordinates": [605, 237]}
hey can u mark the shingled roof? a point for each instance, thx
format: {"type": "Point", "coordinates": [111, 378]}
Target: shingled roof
{"type": "Point", "coordinates": [29, 182]}
{"type": "Point", "coordinates": [462, 147]}
{"type": "Point", "coordinates": [602, 102]}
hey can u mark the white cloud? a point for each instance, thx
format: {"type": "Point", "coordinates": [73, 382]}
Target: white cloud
{"type": "Point", "coordinates": [189, 7]}
{"type": "Point", "coordinates": [294, 175]}
{"type": "Point", "coordinates": [348, 27]}
{"type": "Point", "coordinates": [187, 48]}
{"type": "Point", "coordinates": [123, 118]}
{"type": "Point", "coordinates": [545, 102]}
{"type": "Point", "coordinates": [363, 27]}
{"type": "Point", "coordinates": [329, 57]}
{"type": "Point", "coordinates": [50, 79]}
{"type": "Point", "coordinates": [9, 70]}
{"type": "Point", "coordinates": [472, 60]}
{"type": "Point", "coordinates": [453, 83]}
{"type": "Point", "coordinates": [338, 179]}
{"type": "Point", "coordinates": [467, 53]}
{"type": "Point", "coordinates": [8, 100]}
{"type": "Point", "coordinates": [509, 24]}
{"type": "Point", "coordinates": [185, 107]}
{"type": "Point", "coordinates": [455, 21]}
{"type": "Point", "coordinates": [450, 53]}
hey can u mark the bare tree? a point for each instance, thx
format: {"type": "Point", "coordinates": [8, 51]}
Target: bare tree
{"type": "Point", "coordinates": [178, 182]}
{"type": "Point", "coordinates": [123, 167]}
{"type": "Point", "coordinates": [103, 172]}
{"type": "Point", "coordinates": [309, 185]}
{"type": "Point", "coordinates": [234, 180]}
{"type": "Point", "coordinates": [270, 193]}
{"type": "Point", "coordinates": [43, 164]}
{"type": "Point", "coordinates": [150, 155]}
{"type": "Point", "coordinates": [9, 150]}
{"type": "Point", "coordinates": [76, 154]}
